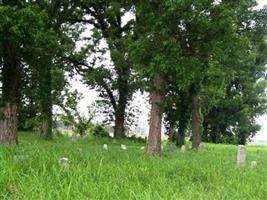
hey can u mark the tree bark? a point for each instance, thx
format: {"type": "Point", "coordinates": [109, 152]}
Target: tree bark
{"type": "Point", "coordinates": [119, 127]}
{"type": "Point", "coordinates": [46, 126]}
{"type": "Point", "coordinates": [241, 138]}
{"type": "Point", "coordinates": [8, 125]}
{"type": "Point", "coordinates": [46, 102]}
{"type": "Point", "coordinates": [157, 101]}
{"type": "Point", "coordinates": [196, 122]}
{"type": "Point", "coordinates": [171, 134]}
{"type": "Point", "coordinates": [120, 109]}
{"type": "Point", "coordinates": [10, 95]}
{"type": "Point", "coordinates": [180, 140]}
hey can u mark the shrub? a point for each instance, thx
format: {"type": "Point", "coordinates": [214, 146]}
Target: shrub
{"type": "Point", "coordinates": [100, 131]}
{"type": "Point", "coordinates": [135, 138]}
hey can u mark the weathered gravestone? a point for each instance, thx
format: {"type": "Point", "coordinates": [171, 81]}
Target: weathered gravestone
{"type": "Point", "coordinates": [64, 163]}
{"type": "Point", "coordinates": [171, 147]}
{"type": "Point", "coordinates": [200, 147]}
{"type": "Point", "coordinates": [124, 147]}
{"type": "Point", "coordinates": [105, 146]}
{"type": "Point", "coordinates": [253, 164]}
{"type": "Point", "coordinates": [183, 149]}
{"type": "Point", "coordinates": [73, 134]}
{"type": "Point", "coordinates": [73, 137]}
{"type": "Point", "coordinates": [241, 155]}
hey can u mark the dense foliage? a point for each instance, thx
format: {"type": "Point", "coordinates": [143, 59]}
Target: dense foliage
{"type": "Point", "coordinates": [202, 62]}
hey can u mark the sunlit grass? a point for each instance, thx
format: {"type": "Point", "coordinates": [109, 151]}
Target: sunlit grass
{"type": "Point", "coordinates": [32, 170]}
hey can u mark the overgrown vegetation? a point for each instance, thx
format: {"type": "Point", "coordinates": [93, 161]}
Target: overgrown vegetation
{"type": "Point", "coordinates": [202, 64]}
{"type": "Point", "coordinates": [32, 171]}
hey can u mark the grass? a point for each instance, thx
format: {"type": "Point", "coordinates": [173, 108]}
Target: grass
{"type": "Point", "coordinates": [31, 171]}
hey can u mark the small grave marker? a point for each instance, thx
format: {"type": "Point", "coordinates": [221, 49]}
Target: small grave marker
{"type": "Point", "coordinates": [65, 163]}
{"type": "Point", "coordinates": [200, 147]}
{"type": "Point", "coordinates": [241, 155]}
{"type": "Point", "coordinates": [105, 146]}
{"type": "Point", "coordinates": [253, 164]}
{"type": "Point", "coordinates": [124, 147]}
{"type": "Point", "coordinates": [183, 149]}
{"type": "Point", "coordinates": [171, 147]}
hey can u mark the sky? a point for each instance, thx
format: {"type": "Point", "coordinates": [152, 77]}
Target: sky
{"type": "Point", "coordinates": [141, 100]}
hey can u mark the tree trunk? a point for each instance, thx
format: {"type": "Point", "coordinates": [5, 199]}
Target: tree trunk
{"type": "Point", "coordinates": [46, 102]}
{"type": "Point", "coordinates": [157, 101]}
{"type": "Point", "coordinates": [8, 125]}
{"type": "Point", "coordinates": [180, 140]}
{"type": "Point", "coordinates": [10, 95]}
{"type": "Point", "coordinates": [119, 127]}
{"type": "Point", "coordinates": [171, 134]}
{"type": "Point", "coordinates": [46, 126]}
{"type": "Point", "coordinates": [196, 122]}
{"type": "Point", "coordinates": [120, 108]}
{"type": "Point", "coordinates": [241, 138]}
{"type": "Point", "coordinates": [205, 135]}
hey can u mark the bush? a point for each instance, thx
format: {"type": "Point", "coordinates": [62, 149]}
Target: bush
{"type": "Point", "coordinates": [82, 126]}
{"type": "Point", "coordinates": [28, 124]}
{"type": "Point", "coordinates": [58, 133]}
{"type": "Point", "coordinates": [100, 131]}
{"type": "Point", "coordinates": [135, 138]}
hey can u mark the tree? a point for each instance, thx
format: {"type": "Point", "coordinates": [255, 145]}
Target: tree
{"type": "Point", "coordinates": [21, 34]}
{"type": "Point", "coordinates": [177, 114]}
{"type": "Point", "coordinates": [60, 14]}
{"type": "Point", "coordinates": [156, 55]}
{"type": "Point", "coordinates": [206, 42]}
{"type": "Point", "coordinates": [211, 43]}
{"type": "Point", "coordinates": [115, 82]}
{"type": "Point", "coordinates": [68, 102]}
{"type": "Point", "coordinates": [28, 109]}
{"type": "Point", "coordinates": [245, 95]}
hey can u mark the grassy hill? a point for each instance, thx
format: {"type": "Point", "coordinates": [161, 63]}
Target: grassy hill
{"type": "Point", "coordinates": [32, 170]}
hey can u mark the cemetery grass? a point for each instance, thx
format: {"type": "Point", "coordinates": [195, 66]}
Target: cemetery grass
{"type": "Point", "coordinates": [31, 170]}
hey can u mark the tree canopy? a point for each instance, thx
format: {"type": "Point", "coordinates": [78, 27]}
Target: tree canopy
{"type": "Point", "coordinates": [201, 62]}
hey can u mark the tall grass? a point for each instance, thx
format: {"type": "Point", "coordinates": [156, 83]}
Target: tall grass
{"type": "Point", "coordinates": [31, 171]}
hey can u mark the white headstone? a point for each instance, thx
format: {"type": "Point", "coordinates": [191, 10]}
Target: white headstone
{"type": "Point", "coordinates": [142, 148]}
{"type": "Point", "coordinates": [124, 147]}
{"type": "Point", "coordinates": [183, 149]}
{"type": "Point", "coordinates": [253, 164]}
{"type": "Point", "coordinates": [161, 147]}
{"type": "Point", "coordinates": [171, 147]}
{"type": "Point", "coordinates": [64, 162]}
{"type": "Point", "coordinates": [241, 155]}
{"type": "Point", "coordinates": [73, 136]}
{"type": "Point", "coordinates": [20, 158]}
{"type": "Point", "coordinates": [200, 147]}
{"type": "Point", "coordinates": [105, 146]}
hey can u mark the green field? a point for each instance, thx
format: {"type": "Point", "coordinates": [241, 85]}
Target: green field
{"type": "Point", "coordinates": [31, 170]}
